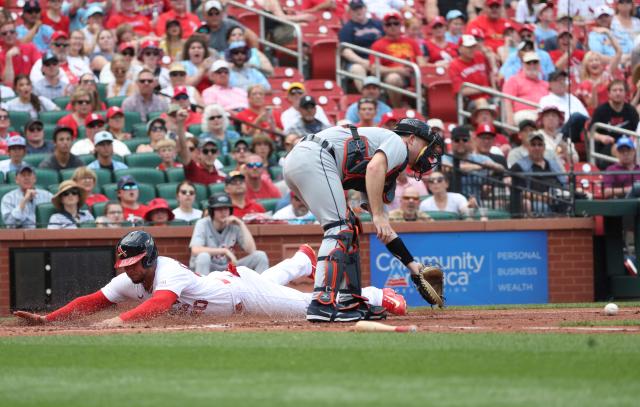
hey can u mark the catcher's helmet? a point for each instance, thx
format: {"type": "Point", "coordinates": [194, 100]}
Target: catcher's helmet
{"type": "Point", "coordinates": [135, 246]}
{"type": "Point", "coordinates": [429, 157]}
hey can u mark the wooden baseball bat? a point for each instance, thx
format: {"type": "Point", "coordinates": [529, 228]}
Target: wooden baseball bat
{"type": "Point", "coordinates": [371, 326]}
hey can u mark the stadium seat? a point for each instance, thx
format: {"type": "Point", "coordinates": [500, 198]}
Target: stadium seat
{"type": "Point", "coordinates": [147, 160]}
{"type": "Point", "coordinates": [139, 131]}
{"type": "Point", "coordinates": [216, 188]}
{"type": "Point", "coordinates": [98, 209]}
{"type": "Point", "coordinates": [87, 225]}
{"type": "Point", "coordinates": [153, 115]}
{"type": "Point", "coordinates": [147, 192]}
{"type": "Point", "coordinates": [178, 222]}
{"type": "Point", "coordinates": [44, 177]}
{"type": "Point", "coordinates": [173, 203]}
{"type": "Point", "coordinates": [201, 191]}
{"type": "Point", "coordinates": [115, 101]}
{"type": "Point", "coordinates": [130, 120]}
{"type": "Point", "coordinates": [4, 188]}
{"type": "Point", "coordinates": [48, 131]}
{"type": "Point", "coordinates": [133, 143]}
{"type": "Point", "coordinates": [441, 215]}
{"type": "Point", "coordinates": [410, 113]}
{"type": "Point", "coordinates": [35, 159]}
{"type": "Point", "coordinates": [51, 117]}
{"type": "Point", "coordinates": [144, 175]}
{"type": "Point", "coordinates": [275, 172]}
{"type": "Point", "coordinates": [53, 188]}
{"type": "Point", "coordinates": [440, 102]}
{"type": "Point", "coordinates": [167, 190]}
{"type": "Point", "coordinates": [250, 20]}
{"type": "Point", "coordinates": [195, 129]}
{"type": "Point", "coordinates": [174, 174]}
{"type": "Point", "coordinates": [269, 204]}
{"type": "Point", "coordinates": [18, 120]}
{"type": "Point", "coordinates": [43, 213]}
{"type": "Point", "coordinates": [87, 158]}
{"type": "Point", "coordinates": [287, 72]}
{"type": "Point", "coordinates": [323, 60]}
{"type": "Point", "coordinates": [62, 102]}
{"type": "Point", "coordinates": [104, 176]}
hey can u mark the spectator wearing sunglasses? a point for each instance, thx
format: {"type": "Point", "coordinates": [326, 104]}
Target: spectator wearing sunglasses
{"type": "Point", "coordinates": [125, 70]}
{"type": "Point", "coordinates": [34, 133]}
{"type": "Point", "coordinates": [178, 78]}
{"type": "Point", "coordinates": [181, 98]}
{"type": "Point", "coordinates": [81, 109]}
{"type": "Point", "coordinates": [216, 25]}
{"type": "Point", "coordinates": [94, 123]}
{"type": "Point", "coordinates": [5, 124]}
{"type": "Point", "coordinates": [258, 186]}
{"type": "Point", "coordinates": [307, 123]}
{"type": "Point", "coordinates": [295, 92]}
{"type": "Point", "coordinates": [128, 195]}
{"type": "Point", "coordinates": [243, 75]}
{"type": "Point", "coordinates": [126, 14]}
{"type": "Point", "coordinates": [186, 195]}
{"type": "Point", "coordinates": [32, 30]}
{"type": "Point", "coordinates": [144, 101]}
{"type": "Point", "coordinates": [236, 186]}
{"type": "Point", "coordinates": [258, 113]}
{"type": "Point", "coordinates": [409, 208]}
{"type": "Point", "coordinates": [150, 55]}
{"type": "Point", "coordinates": [221, 92]}
{"type": "Point", "coordinates": [441, 200]}
{"type": "Point", "coordinates": [51, 85]}
{"type": "Point", "coordinates": [71, 68]}
{"type": "Point", "coordinates": [68, 201]}
{"type": "Point", "coordinates": [156, 132]}
{"type": "Point", "coordinates": [16, 58]}
{"type": "Point", "coordinates": [215, 125]}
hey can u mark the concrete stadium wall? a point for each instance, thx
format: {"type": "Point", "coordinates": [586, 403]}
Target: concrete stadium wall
{"type": "Point", "coordinates": [570, 247]}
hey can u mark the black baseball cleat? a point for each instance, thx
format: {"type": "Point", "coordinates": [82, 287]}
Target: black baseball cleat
{"type": "Point", "coordinates": [318, 312]}
{"type": "Point", "coordinates": [372, 312]}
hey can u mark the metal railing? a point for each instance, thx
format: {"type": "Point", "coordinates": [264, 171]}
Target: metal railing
{"type": "Point", "coordinates": [462, 114]}
{"type": "Point", "coordinates": [341, 73]}
{"type": "Point", "coordinates": [591, 153]}
{"type": "Point", "coordinates": [298, 53]}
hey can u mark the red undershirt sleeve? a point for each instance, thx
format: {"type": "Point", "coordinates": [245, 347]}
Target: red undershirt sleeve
{"type": "Point", "coordinates": [84, 305]}
{"type": "Point", "coordinates": [159, 303]}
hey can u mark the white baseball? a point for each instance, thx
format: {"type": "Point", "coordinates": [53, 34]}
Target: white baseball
{"type": "Point", "coordinates": [610, 309]}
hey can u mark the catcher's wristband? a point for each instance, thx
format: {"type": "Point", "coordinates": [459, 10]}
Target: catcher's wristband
{"type": "Point", "coordinates": [400, 251]}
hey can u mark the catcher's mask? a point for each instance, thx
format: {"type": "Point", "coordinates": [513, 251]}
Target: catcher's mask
{"type": "Point", "coordinates": [429, 157]}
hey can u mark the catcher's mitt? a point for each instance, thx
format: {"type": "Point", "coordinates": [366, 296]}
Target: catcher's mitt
{"type": "Point", "coordinates": [429, 283]}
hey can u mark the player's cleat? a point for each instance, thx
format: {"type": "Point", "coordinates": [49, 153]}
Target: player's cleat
{"type": "Point", "coordinates": [394, 302]}
{"type": "Point", "coordinates": [318, 312]}
{"type": "Point", "coordinates": [372, 312]}
{"type": "Point", "coordinates": [311, 254]}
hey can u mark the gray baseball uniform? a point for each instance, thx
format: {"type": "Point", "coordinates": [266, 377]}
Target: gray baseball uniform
{"type": "Point", "coordinates": [316, 177]}
{"type": "Point", "coordinates": [204, 234]}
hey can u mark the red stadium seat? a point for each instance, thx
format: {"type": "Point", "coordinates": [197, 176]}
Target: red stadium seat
{"type": "Point", "coordinates": [250, 20]}
{"type": "Point", "coordinates": [349, 99]}
{"type": "Point", "coordinates": [323, 58]}
{"type": "Point", "coordinates": [282, 84]}
{"type": "Point", "coordinates": [287, 72]}
{"type": "Point", "coordinates": [410, 113]}
{"type": "Point", "coordinates": [441, 101]}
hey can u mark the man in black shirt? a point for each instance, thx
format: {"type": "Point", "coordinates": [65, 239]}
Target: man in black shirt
{"type": "Point", "coordinates": [61, 158]}
{"type": "Point", "coordinates": [615, 112]}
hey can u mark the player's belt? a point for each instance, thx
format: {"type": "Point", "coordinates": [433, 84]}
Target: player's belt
{"type": "Point", "coordinates": [322, 142]}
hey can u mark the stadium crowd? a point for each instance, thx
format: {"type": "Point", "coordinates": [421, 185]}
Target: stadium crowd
{"type": "Point", "coordinates": [156, 111]}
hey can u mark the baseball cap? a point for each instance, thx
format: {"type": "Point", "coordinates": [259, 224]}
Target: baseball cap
{"type": "Point", "coordinates": [603, 10]}
{"type": "Point", "coordinates": [94, 9]}
{"type": "Point", "coordinates": [437, 21]}
{"type": "Point", "coordinates": [236, 45]}
{"type": "Point", "coordinates": [158, 204]}
{"type": "Point", "coordinates": [93, 117]}
{"type": "Point", "coordinates": [173, 108]}
{"type": "Point", "coordinates": [296, 85]}
{"type": "Point", "coordinates": [535, 135]}
{"type": "Point", "coordinates": [233, 175]}
{"type": "Point", "coordinates": [102, 136]}
{"type": "Point", "coordinates": [208, 140]}
{"type": "Point", "coordinates": [24, 167]}
{"type": "Point", "coordinates": [388, 117]}
{"type": "Point", "coordinates": [485, 129]}
{"type": "Point", "coordinates": [148, 44]}
{"type": "Point", "coordinates": [468, 40]}
{"type": "Point", "coordinates": [527, 27]}
{"type": "Point", "coordinates": [16, 141]}
{"type": "Point", "coordinates": [435, 123]}
{"type": "Point", "coordinates": [370, 80]}
{"type": "Point", "coordinates": [126, 45]}
{"type": "Point", "coordinates": [509, 25]}
{"type": "Point", "coordinates": [49, 57]}
{"type": "Point", "coordinates": [220, 200]}
{"type": "Point", "coordinates": [392, 14]}
{"type": "Point", "coordinates": [307, 100]}
{"type": "Point", "coordinates": [453, 14]}
{"type": "Point", "coordinates": [562, 16]}
{"type": "Point", "coordinates": [460, 132]}
{"type": "Point", "coordinates": [31, 6]}
{"type": "Point", "coordinates": [478, 33]}
{"type": "Point", "coordinates": [114, 110]}
{"type": "Point", "coordinates": [31, 123]}
{"type": "Point", "coordinates": [126, 180]}
{"type": "Point", "coordinates": [212, 4]}
{"type": "Point", "coordinates": [491, 2]}
{"type": "Point", "coordinates": [59, 34]}
{"type": "Point", "coordinates": [61, 130]}
{"type": "Point", "coordinates": [177, 67]}
{"type": "Point", "coordinates": [550, 108]}
{"type": "Point", "coordinates": [625, 141]}
{"type": "Point", "coordinates": [526, 123]}
{"type": "Point", "coordinates": [530, 56]}
{"type": "Point", "coordinates": [525, 44]}
{"type": "Point", "coordinates": [180, 90]}
{"type": "Point", "coordinates": [543, 7]}
{"type": "Point", "coordinates": [356, 4]}
{"type": "Point", "coordinates": [241, 141]}
{"type": "Point", "coordinates": [558, 74]}
{"type": "Point", "coordinates": [565, 32]}
{"type": "Point", "coordinates": [219, 64]}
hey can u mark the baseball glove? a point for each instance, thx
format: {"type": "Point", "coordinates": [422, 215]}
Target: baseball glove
{"type": "Point", "coordinates": [430, 283]}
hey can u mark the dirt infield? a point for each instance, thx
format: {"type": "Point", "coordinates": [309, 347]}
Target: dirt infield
{"type": "Point", "coordinates": [567, 320]}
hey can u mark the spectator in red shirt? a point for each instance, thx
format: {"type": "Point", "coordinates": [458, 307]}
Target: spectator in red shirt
{"type": "Point", "coordinates": [202, 171]}
{"type": "Point", "coordinates": [258, 112]}
{"type": "Point", "coordinates": [54, 18]}
{"type": "Point", "coordinates": [471, 66]}
{"type": "Point", "coordinates": [128, 195]}
{"type": "Point", "coordinates": [527, 85]}
{"type": "Point", "coordinates": [181, 98]}
{"type": "Point", "coordinates": [127, 15]}
{"type": "Point", "coordinates": [81, 103]}
{"type": "Point", "coordinates": [567, 56]}
{"type": "Point", "coordinates": [396, 44]}
{"type": "Point", "coordinates": [188, 21]}
{"type": "Point", "coordinates": [15, 58]}
{"type": "Point", "coordinates": [491, 23]}
{"type": "Point", "coordinates": [439, 50]}
{"type": "Point", "coordinates": [259, 186]}
{"type": "Point", "coordinates": [236, 187]}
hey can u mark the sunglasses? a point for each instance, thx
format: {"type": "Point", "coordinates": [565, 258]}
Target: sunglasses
{"type": "Point", "coordinates": [7, 33]}
{"type": "Point", "coordinates": [213, 12]}
{"type": "Point", "coordinates": [128, 53]}
{"type": "Point", "coordinates": [460, 140]}
{"type": "Point", "coordinates": [181, 97]}
{"type": "Point", "coordinates": [532, 63]}
{"type": "Point", "coordinates": [129, 187]}
{"type": "Point", "coordinates": [238, 52]}
{"type": "Point", "coordinates": [296, 92]}
{"type": "Point", "coordinates": [88, 82]}
{"type": "Point", "coordinates": [222, 71]}
{"type": "Point", "coordinates": [151, 53]}
{"type": "Point", "coordinates": [410, 198]}
{"type": "Point", "coordinates": [4, 117]}
{"type": "Point", "coordinates": [435, 180]}
{"type": "Point", "coordinates": [145, 81]}
{"type": "Point", "coordinates": [82, 102]}
{"type": "Point", "coordinates": [241, 150]}
{"type": "Point", "coordinates": [215, 117]}
{"type": "Point", "coordinates": [187, 192]}
{"type": "Point", "coordinates": [60, 45]}
{"type": "Point", "coordinates": [50, 64]}
{"type": "Point", "coordinates": [254, 165]}
{"type": "Point", "coordinates": [35, 128]}
{"type": "Point", "coordinates": [158, 128]}
{"type": "Point", "coordinates": [392, 23]}
{"type": "Point", "coordinates": [209, 151]}
{"type": "Point", "coordinates": [114, 213]}
{"type": "Point", "coordinates": [174, 74]}
{"type": "Point", "coordinates": [95, 125]}
{"type": "Point", "coordinates": [70, 192]}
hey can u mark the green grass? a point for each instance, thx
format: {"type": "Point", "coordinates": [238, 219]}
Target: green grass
{"type": "Point", "coordinates": [320, 369]}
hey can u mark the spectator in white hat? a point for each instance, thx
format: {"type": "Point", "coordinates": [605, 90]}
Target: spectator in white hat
{"type": "Point", "coordinates": [221, 92]}
{"type": "Point", "coordinates": [599, 37]}
{"type": "Point", "coordinates": [103, 141]}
